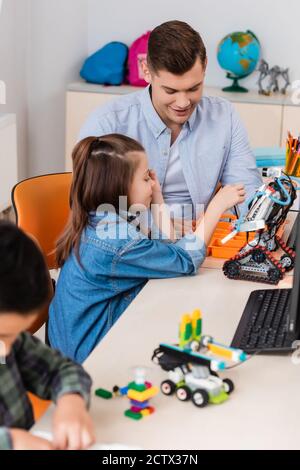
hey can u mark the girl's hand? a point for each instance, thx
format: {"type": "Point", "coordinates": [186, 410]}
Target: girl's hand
{"type": "Point", "coordinates": [229, 196]}
{"type": "Point", "coordinates": [23, 440]}
{"type": "Point", "coordinates": [72, 425]}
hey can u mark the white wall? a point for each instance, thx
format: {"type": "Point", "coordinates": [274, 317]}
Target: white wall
{"type": "Point", "coordinates": [42, 46]}
{"type": "Point", "coordinates": [13, 57]}
{"type": "Point", "coordinates": [44, 42]}
{"type": "Point", "coordinates": [58, 45]}
{"type": "Point", "coordinates": [274, 22]}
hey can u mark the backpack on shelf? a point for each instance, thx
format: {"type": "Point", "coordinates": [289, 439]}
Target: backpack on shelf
{"type": "Point", "coordinates": [107, 66]}
{"type": "Point", "coordinates": [137, 54]}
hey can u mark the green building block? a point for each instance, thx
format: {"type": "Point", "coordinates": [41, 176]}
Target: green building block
{"type": "Point", "coordinates": [217, 400]}
{"type": "Point", "coordinates": [132, 415]}
{"type": "Point", "coordinates": [100, 392]}
{"type": "Point", "coordinates": [138, 388]}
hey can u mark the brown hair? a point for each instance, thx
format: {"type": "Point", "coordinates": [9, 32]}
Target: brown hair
{"type": "Point", "coordinates": [103, 170]}
{"type": "Point", "coordinates": [174, 46]}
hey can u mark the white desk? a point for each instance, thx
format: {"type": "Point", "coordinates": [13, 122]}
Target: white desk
{"type": "Point", "coordinates": [263, 411]}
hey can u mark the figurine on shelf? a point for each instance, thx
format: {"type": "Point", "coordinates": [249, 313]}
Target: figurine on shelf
{"type": "Point", "coordinates": [274, 73]}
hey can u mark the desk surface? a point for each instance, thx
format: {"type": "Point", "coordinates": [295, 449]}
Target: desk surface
{"type": "Point", "coordinates": [263, 411]}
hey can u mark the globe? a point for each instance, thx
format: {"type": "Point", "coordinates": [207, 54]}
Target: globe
{"type": "Point", "coordinates": [238, 53]}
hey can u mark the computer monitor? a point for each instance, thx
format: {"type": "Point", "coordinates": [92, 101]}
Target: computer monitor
{"type": "Point", "coordinates": [294, 313]}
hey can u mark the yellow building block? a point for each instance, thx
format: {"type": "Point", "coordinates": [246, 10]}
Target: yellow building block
{"type": "Point", "coordinates": [215, 349]}
{"type": "Point", "coordinates": [142, 396]}
{"type": "Point", "coordinates": [145, 412]}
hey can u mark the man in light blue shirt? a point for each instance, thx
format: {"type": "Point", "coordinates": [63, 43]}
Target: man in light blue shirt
{"type": "Point", "coordinates": [193, 141]}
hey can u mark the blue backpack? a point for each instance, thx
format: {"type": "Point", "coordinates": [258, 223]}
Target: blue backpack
{"type": "Point", "coordinates": [107, 66]}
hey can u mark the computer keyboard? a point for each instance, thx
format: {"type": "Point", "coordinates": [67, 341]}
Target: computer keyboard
{"type": "Point", "coordinates": [264, 323]}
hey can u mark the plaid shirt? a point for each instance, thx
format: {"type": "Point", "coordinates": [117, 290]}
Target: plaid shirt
{"type": "Point", "coordinates": [34, 367]}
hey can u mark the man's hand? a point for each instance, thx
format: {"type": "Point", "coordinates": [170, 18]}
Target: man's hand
{"type": "Point", "coordinates": [23, 440]}
{"type": "Point", "coordinates": [72, 425]}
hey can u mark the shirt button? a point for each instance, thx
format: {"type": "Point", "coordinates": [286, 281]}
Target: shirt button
{"type": "Point", "coordinates": [165, 152]}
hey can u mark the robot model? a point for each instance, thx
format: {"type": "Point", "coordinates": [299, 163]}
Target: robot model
{"type": "Point", "coordinates": [267, 212]}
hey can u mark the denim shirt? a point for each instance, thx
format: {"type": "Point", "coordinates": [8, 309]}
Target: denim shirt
{"type": "Point", "coordinates": [214, 146]}
{"type": "Point", "coordinates": [116, 261]}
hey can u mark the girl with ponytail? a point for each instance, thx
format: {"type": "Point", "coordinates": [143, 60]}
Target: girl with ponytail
{"type": "Point", "coordinates": [106, 254]}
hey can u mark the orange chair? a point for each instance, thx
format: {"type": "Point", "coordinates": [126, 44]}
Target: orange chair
{"type": "Point", "coordinates": [42, 209]}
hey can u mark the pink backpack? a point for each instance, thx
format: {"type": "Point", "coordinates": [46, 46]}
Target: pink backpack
{"type": "Point", "coordinates": [137, 53]}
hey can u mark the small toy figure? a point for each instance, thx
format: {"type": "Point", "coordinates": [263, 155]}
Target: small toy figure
{"type": "Point", "coordinates": [139, 393]}
{"type": "Point", "coordinates": [267, 212]}
{"type": "Point", "coordinates": [192, 365]}
{"type": "Point", "coordinates": [274, 73]}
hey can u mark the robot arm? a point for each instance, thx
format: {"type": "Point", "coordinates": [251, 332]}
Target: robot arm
{"type": "Point", "coordinates": [270, 204]}
{"type": "Point", "coordinates": [267, 212]}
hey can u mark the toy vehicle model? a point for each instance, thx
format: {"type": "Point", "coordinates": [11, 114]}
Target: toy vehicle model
{"type": "Point", "coordinates": [197, 383]}
{"type": "Point", "coordinates": [193, 364]}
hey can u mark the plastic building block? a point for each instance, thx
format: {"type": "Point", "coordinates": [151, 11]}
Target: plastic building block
{"type": "Point", "coordinates": [139, 392]}
{"type": "Point", "coordinates": [140, 404]}
{"type": "Point", "coordinates": [151, 409]}
{"type": "Point", "coordinates": [132, 415]}
{"type": "Point", "coordinates": [216, 249]}
{"type": "Point", "coordinates": [138, 388]}
{"type": "Point", "coordinates": [123, 390]}
{"type": "Point", "coordinates": [100, 392]}
{"type": "Point", "coordinates": [136, 409]}
{"type": "Point", "coordinates": [142, 396]}
{"type": "Point", "coordinates": [218, 399]}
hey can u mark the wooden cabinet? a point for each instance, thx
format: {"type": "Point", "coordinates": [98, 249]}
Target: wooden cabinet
{"type": "Point", "coordinates": [263, 123]}
{"type": "Point", "coordinates": [78, 107]}
{"type": "Point", "coordinates": [290, 122]}
{"type": "Point", "coordinates": [266, 118]}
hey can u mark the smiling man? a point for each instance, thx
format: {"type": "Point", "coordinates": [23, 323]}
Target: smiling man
{"type": "Point", "coordinates": [193, 141]}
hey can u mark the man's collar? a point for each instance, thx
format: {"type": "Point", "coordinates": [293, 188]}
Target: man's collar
{"type": "Point", "coordinates": [154, 121]}
{"type": "Point", "coordinates": [192, 119]}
